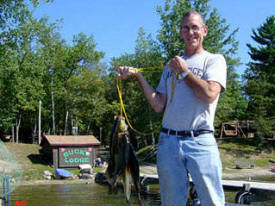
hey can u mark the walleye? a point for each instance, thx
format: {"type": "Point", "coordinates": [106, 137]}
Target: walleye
{"type": "Point", "coordinates": [123, 163]}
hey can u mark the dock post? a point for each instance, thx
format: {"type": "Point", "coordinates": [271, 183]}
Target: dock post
{"type": "Point", "coordinates": [5, 193]}
{"type": "Point", "coordinates": [8, 190]}
{"type": "Point", "coordinates": [3, 201]}
{"type": "Point", "coordinates": [244, 195]}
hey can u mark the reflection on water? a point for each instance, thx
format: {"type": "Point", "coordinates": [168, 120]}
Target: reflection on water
{"type": "Point", "coordinates": [68, 195]}
{"type": "Point", "coordinates": [91, 195]}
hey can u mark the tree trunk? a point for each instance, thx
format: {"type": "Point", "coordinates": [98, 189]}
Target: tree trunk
{"type": "Point", "coordinates": [88, 127]}
{"type": "Point", "coordinates": [72, 123]}
{"type": "Point", "coordinates": [100, 134]}
{"type": "Point", "coordinates": [34, 131]}
{"type": "Point", "coordinates": [39, 123]}
{"type": "Point", "coordinates": [12, 133]}
{"type": "Point", "coordinates": [53, 119]}
{"type": "Point", "coordinates": [66, 123]}
{"type": "Point", "coordinates": [75, 127]}
{"type": "Point", "coordinates": [18, 122]}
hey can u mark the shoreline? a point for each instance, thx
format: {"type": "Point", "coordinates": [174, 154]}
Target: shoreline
{"type": "Point", "coordinates": [56, 182]}
{"type": "Point", "coordinates": [243, 174]}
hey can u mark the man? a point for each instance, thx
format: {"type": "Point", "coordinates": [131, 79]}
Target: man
{"type": "Point", "coordinates": [186, 142]}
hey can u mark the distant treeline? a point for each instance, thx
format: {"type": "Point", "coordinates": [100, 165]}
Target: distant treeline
{"type": "Point", "coordinates": [78, 90]}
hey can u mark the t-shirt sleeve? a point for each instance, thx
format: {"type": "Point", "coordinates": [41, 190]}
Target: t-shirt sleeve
{"type": "Point", "coordinates": [216, 70]}
{"type": "Point", "coordinates": [162, 87]}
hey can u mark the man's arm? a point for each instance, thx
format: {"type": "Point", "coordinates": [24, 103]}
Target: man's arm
{"type": "Point", "coordinates": [205, 90]}
{"type": "Point", "coordinates": [157, 100]}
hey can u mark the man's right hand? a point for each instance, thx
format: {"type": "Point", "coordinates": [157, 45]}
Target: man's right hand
{"type": "Point", "coordinates": [157, 100]}
{"type": "Point", "coordinates": [126, 72]}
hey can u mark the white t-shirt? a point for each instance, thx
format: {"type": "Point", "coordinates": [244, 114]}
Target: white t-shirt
{"type": "Point", "coordinates": [187, 111]}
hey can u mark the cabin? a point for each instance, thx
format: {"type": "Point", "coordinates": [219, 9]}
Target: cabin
{"type": "Point", "coordinates": [69, 151]}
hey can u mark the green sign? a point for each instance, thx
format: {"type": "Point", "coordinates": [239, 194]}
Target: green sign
{"type": "Point", "coordinates": [70, 157]}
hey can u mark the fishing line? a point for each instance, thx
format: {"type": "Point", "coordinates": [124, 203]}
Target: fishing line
{"type": "Point", "coordinates": [122, 107]}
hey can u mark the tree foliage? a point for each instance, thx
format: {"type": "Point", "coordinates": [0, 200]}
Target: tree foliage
{"type": "Point", "coordinates": [77, 89]}
{"type": "Point", "coordinates": [37, 64]}
{"type": "Point", "coordinates": [260, 77]}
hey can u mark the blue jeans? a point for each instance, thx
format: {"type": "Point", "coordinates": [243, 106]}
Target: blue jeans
{"type": "Point", "coordinates": [198, 156]}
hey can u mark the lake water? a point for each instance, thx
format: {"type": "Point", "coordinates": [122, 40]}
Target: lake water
{"type": "Point", "coordinates": [87, 195]}
{"type": "Point", "coordinates": [68, 195]}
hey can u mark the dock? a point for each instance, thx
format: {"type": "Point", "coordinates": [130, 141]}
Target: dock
{"type": "Point", "coordinates": [244, 189]}
{"type": "Point", "coordinates": [253, 185]}
{"type": "Point", "coordinates": [237, 184]}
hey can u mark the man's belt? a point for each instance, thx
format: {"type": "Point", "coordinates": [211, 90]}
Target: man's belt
{"type": "Point", "coordinates": [192, 133]}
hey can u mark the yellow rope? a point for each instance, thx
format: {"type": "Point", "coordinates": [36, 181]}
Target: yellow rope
{"type": "Point", "coordinates": [123, 111]}
{"type": "Point", "coordinates": [174, 81]}
{"type": "Point", "coordinates": [149, 69]}
{"type": "Point", "coordinates": [122, 107]}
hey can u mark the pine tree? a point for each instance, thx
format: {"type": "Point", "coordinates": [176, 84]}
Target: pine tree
{"type": "Point", "coordinates": [260, 78]}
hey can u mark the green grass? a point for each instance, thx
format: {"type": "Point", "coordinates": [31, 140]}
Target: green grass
{"type": "Point", "coordinates": [30, 160]}
{"type": "Point", "coordinates": [97, 169]}
{"type": "Point", "coordinates": [237, 149]}
{"type": "Point", "coordinates": [250, 150]}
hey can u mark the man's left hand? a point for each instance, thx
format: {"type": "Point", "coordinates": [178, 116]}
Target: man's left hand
{"type": "Point", "coordinates": [178, 65]}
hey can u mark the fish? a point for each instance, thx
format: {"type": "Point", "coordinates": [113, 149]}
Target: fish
{"type": "Point", "coordinates": [123, 164]}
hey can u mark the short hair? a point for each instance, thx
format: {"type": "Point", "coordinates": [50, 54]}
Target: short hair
{"type": "Point", "coordinates": [193, 12]}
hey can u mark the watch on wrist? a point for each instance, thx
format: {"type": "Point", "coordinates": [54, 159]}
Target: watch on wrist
{"type": "Point", "coordinates": [183, 75]}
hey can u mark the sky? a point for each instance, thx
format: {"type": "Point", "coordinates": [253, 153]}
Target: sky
{"type": "Point", "coordinates": [115, 23]}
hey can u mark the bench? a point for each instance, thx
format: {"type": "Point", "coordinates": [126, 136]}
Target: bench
{"type": "Point", "coordinates": [244, 165]}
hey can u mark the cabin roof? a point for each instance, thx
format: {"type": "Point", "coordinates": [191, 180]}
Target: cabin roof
{"type": "Point", "coordinates": [69, 140]}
